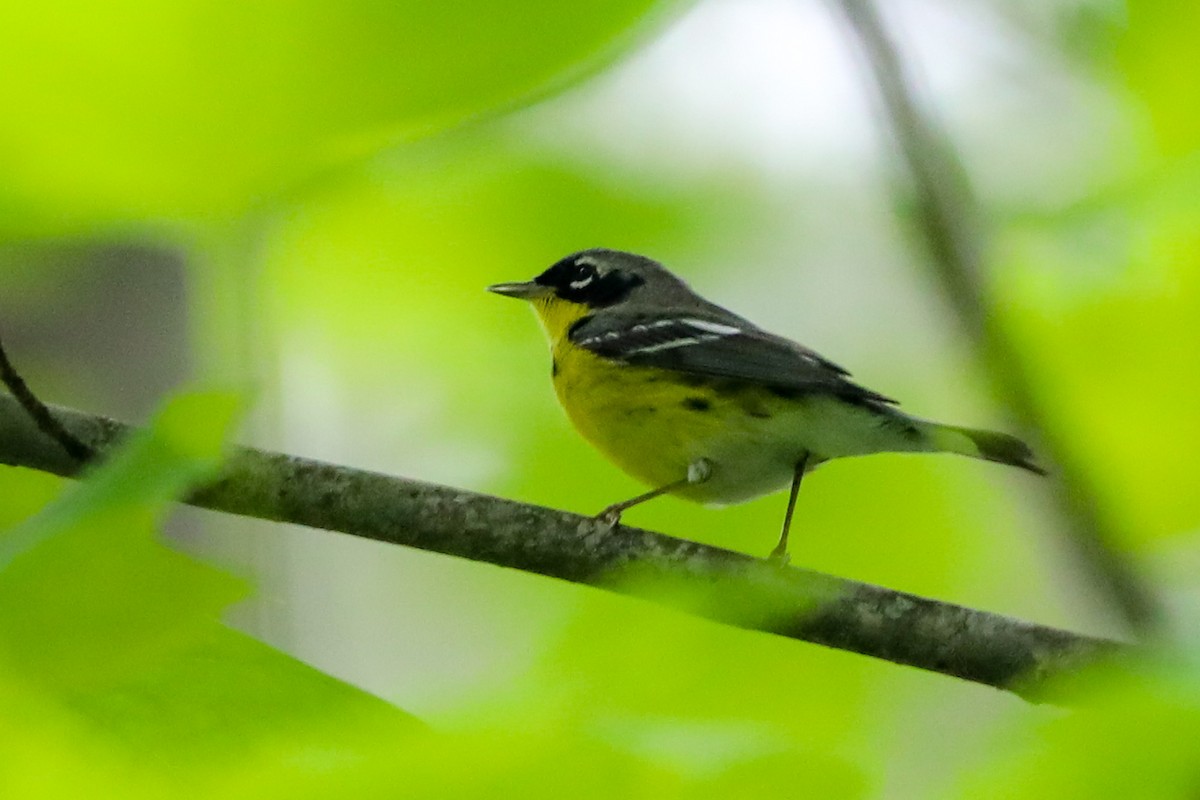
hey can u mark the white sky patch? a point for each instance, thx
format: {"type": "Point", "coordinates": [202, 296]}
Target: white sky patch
{"type": "Point", "coordinates": [768, 83]}
{"type": "Point", "coordinates": [776, 86]}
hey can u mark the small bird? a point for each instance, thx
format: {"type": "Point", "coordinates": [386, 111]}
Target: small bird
{"type": "Point", "coordinates": [698, 402]}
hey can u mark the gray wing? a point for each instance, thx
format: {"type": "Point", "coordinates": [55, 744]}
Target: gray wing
{"type": "Point", "coordinates": [717, 346]}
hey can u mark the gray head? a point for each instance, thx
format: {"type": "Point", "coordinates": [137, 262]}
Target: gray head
{"type": "Point", "coordinates": [599, 278]}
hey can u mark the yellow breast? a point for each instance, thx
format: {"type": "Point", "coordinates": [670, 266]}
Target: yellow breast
{"type": "Point", "coordinates": [632, 416]}
{"type": "Point", "coordinates": [652, 424]}
{"type": "Point", "coordinates": [627, 413]}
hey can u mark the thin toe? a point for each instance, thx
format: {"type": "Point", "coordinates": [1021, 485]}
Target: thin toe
{"type": "Point", "coordinates": [611, 517]}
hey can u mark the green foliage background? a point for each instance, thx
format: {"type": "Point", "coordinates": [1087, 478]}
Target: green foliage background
{"type": "Point", "coordinates": [339, 181]}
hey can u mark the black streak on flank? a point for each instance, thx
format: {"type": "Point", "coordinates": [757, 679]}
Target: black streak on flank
{"type": "Point", "coordinates": [901, 426]}
{"type": "Point", "coordinates": [576, 325]}
{"type": "Point", "coordinates": [554, 368]}
{"type": "Point", "coordinates": [697, 404]}
{"type": "Point", "coordinates": [784, 392]}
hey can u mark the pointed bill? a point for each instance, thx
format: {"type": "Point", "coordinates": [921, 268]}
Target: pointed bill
{"type": "Point", "coordinates": [526, 290]}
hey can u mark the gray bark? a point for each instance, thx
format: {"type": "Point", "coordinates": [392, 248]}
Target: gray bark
{"type": "Point", "coordinates": [722, 585]}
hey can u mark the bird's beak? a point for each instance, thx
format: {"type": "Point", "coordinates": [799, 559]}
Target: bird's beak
{"type": "Point", "coordinates": [527, 290]}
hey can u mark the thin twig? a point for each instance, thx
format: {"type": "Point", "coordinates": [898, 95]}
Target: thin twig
{"type": "Point", "coordinates": [954, 232]}
{"type": "Point", "coordinates": [721, 585]}
{"type": "Point", "coordinates": [37, 410]}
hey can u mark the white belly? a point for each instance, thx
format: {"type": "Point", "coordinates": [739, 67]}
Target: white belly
{"type": "Point", "coordinates": [760, 456]}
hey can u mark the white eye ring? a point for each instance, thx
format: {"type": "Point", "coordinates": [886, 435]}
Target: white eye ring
{"type": "Point", "coordinates": [589, 274]}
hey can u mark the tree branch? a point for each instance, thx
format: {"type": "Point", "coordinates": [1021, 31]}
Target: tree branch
{"type": "Point", "coordinates": [37, 411]}
{"type": "Point", "coordinates": [954, 232]}
{"type": "Point", "coordinates": [732, 588]}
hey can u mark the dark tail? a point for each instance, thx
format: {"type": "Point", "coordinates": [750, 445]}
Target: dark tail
{"type": "Point", "coordinates": [988, 445]}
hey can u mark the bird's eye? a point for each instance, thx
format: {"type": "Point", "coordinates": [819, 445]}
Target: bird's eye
{"type": "Point", "coordinates": [587, 279]}
{"type": "Point", "coordinates": [582, 276]}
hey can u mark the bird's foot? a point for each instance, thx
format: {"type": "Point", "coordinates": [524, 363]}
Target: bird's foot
{"type": "Point", "coordinates": [610, 517]}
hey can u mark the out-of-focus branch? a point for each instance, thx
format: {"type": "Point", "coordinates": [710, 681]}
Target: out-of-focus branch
{"type": "Point", "coordinates": [719, 584]}
{"type": "Point", "coordinates": [954, 233]}
{"type": "Point", "coordinates": [38, 412]}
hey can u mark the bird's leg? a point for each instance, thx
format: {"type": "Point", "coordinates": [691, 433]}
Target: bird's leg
{"type": "Point", "coordinates": [780, 553]}
{"type": "Point", "coordinates": [698, 472]}
{"type": "Point", "coordinates": [611, 516]}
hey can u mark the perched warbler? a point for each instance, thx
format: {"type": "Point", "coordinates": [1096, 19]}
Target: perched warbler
{"type": "Point", "coordinates": [700, 403]}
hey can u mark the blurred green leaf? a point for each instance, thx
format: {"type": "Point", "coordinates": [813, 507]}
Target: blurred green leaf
{"type": "Point", "coordinates": [555, 762]}
{"type": "Point", "coordinates": [112, 643]}
{"type": "Point", "coordinates": [1106, 303]}
{"type": "Point", "coordinates": [1157, 58]}
{"type": "Point", "coordinates": [49, 752]}
{"type": "Point", "coordinates": [148, 109]}
{"type": "Point", "coordinates": [1134, 732]}
{"type": "Point", "coordinates": [86, 594]}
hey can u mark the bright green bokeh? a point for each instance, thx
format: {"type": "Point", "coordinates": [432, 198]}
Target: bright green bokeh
{"type": "Point", "coordinates": [112, 655]}
{"type": "Point", "coordinates": [426, 359]}
{"type": "Point", "coordinates": [1104, 295]}
{"type": "Point", "coordinates": [1134, 735]}
{"type": "Point", "coordinates": [353, 279]}
{"type": "Point", "coordinates": [154, 110]}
